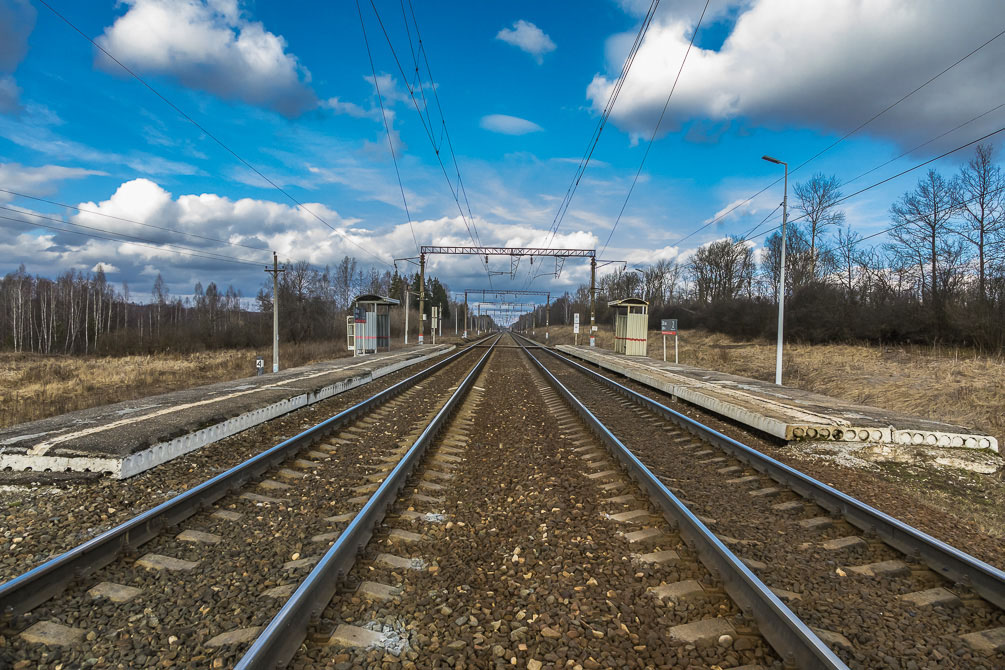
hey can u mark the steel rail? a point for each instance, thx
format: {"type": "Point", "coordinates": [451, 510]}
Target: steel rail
{"type": "Point", "coordinates": [278, 643]}
{"type": "Point", "coordinates": [34, 587]}
{"type": "Point", "coordinates": [779, 625]}
{"type": "Point", "coordinates": [955, 565]}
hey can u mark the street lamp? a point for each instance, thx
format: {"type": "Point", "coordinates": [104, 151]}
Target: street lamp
{"type": "Point", "coordinates": [781, 273]}
{"type": "Point", "coordinates": [643, 275]}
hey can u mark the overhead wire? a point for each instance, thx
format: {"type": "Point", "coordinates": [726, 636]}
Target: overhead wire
{"type": "Point", "coordinates": [892, 177]}
{"type": "Point", "coordinates": [602, 122]}
{"type": "Point", "coordinates": [875, 116]}
{"type": "Point", "coordinates": [387, 127]}
{"type": "Point", "coordinates": [659, 122]}
{"type": "Point", "coordinates": [213, 137]}
{"type": "Point", "coordinates": [138, 223]}
{"type": "Point", "coordinates": [456, 193]}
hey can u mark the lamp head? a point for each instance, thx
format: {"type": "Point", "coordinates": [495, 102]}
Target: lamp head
{"type": "Point", "coordinates": [772, 160]}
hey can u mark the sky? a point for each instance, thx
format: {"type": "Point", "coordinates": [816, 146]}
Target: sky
{"type": "Point", "coordinates": [256, 126]}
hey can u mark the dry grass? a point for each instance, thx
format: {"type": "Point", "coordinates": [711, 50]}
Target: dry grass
{"type": "Point", "coordinates": [941, 383]}
{"type": "Point", "coordinates": [33, 386]}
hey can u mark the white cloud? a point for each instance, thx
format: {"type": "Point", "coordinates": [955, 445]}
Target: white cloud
{"type": "Point", "coordinates": [37, 181]}
{"type": "Point", "coordinates": [17, 19]}
{"type": "Point", "coordinates": [509, 125]}
{"type": "Point", "coordinates": [528, 37]}
{"type": "Point", "coordinates": [209, 45]}
{"type": "Point", "coordinates": [104, 267]}
{"type": "Point", "coordinates": [348, 108]}
{"type": "Point", "coordinates": [827, 65]}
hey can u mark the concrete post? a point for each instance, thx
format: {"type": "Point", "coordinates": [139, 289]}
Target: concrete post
{"type": "Point", "coordinates": [422, 295]}
{"type": "Point", "coordinates": [593, 299]}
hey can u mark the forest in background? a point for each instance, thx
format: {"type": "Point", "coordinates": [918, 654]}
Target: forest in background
{"type": "Point", "coordinates": [937, 277]}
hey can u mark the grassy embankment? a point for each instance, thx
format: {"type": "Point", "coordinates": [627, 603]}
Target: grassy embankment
{"type": "Point", "coordinates": [941, 383]}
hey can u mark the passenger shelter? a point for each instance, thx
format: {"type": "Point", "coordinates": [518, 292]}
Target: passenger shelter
{"type": "Point", "coordinates": [368, 330]}
{"type": "Point", "coordinates": [631, 326]}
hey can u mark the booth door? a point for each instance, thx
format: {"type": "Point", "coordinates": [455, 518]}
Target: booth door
{"type": "Point", "coordinates": [383, 331]}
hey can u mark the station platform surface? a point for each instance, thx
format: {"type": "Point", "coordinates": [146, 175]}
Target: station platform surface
{"type": "Point", "coordinates": [784, 412]}
{"type": "Point", "coordinates": [127, 438]}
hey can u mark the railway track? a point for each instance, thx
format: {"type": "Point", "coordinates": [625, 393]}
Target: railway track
{"type": "Point", "coordinates": [877, 592]}
{"type": "Point", "coordinates": [514, 509]}
{"type": "Point", "coordinates": [192, 580]}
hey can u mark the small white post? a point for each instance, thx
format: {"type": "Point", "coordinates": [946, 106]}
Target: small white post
{"type": "Point", "coordinates": [664, 348]}
{"type": "Point", "coordinates": [675, 359]}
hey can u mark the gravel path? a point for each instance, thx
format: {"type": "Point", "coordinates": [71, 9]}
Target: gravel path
{"type": "Point", "coordinates": [38, 521]}
{"type": "Point", "coordinates": [229, 569]}
{"type": "Point", "coordinates": [872, 620]}
{"type": "Point", "coordinates": [517, 561]}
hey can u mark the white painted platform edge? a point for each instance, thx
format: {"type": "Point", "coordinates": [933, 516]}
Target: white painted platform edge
{"type": "Point", "coordinates": [179, 446]}
{"type": "Point", "coordinates": [793, 431]}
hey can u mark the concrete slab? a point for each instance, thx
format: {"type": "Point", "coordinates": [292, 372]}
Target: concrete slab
{"type": "Point", "coordinates": [397, 534]}
{"type": "Point", "coordinates": [844, 543]}
{"type": "Point", "coordinates": [645, 535]}
{"type": "Point", "coordinates": [237, 636]}
{"type": "Point", "coordinates": [688, 588]}
{"type": "Point", "coordinates": [377, 591]}
{"type": "Point", "coordinates": [159, 562]}
{"type": "Point", "coordinates": [817, 523]}
{"type": "Point", "coordinates": [226, 515]}
{"type": "Point", "coordinates": [704, 631]}
{"type": "Point", "coordinates": [833, 638]}
{"type": "Point", "coordinates": [400, 563]}
{"type": "Point", "coordinates": [127, 438]}
{"type": "Point", "coordinates": [659, 557]}
{"type": "Point", "coordinates": [284, 591]}
{"type": "Point", "coordinates": [931, 597]}
{"type": "Point", "coordinates": [354, 636]}
{"type": "Point", "coordinates": [785, 412]}
{"type": "Point", "coordinates": [989, 641]}
{"type": "Point", "coordinates": [117, 593]}
{"type": "Point", "coordinates": [892, 568]}
{"type": "Point", "coordinates": [198, 536]}
{"type": "Point", "coordinates": [52, 634]}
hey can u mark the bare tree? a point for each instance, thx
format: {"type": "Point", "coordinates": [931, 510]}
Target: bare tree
{"type": "Point", "coordinates": [982, 194]}
{"type": "Point", "coordinates": [817, 199]}
{"type": "Point", "coordinates": [722, 270]}
{"type": "Point", "coordinates": [923, 232]}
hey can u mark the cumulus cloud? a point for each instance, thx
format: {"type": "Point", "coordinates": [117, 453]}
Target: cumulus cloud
{"type": "Point", "coordinates": [509, 125]}
{"type": "Point", "coordinates": [827, 65]}
{"type": "Point", "coordinates": [211, 46]}
{"type": "Point", "coordinates": [526, 36]}
{"type": "Point", "coordinates": [37, 181]}
{"type": "Point", "coordinates": [17, 19]}
{"type": "Point", "coordinates": [104, 267]}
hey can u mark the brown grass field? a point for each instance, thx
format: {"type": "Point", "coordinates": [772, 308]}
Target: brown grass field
{"type": "Point", "coordinates": [942, 383]}
{"type": "Point", "coordinates": [33, 386]}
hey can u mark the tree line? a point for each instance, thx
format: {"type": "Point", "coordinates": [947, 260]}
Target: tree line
{"type": "Point", "coordinates": [84, 313]}
{"type": "Point", "coordinates": [939, 276]}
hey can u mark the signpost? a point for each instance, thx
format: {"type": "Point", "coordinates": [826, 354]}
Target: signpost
{"type": "Point", "coordinates": [575, 327]}
{"type": "Point", "coordinates": [669, 327]}
{"type": "Point", "coordinates": [260, 365]}
{"type": "Point", "coordinates": [435, 322]}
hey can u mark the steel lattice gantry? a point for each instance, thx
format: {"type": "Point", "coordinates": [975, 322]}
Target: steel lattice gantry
{"type": "Point", "coordinates": [502, 293]}
{"type": "Point", "coordinates": [515, 252]}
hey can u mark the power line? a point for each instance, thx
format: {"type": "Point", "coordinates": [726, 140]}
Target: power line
{"type": "Point", "coordinates": [469, 224]}
{"type": "Point", "coordinates": [209, 134]}
{"type": "Point", "coordinates": [892, 177]}
{"type": "Point", "coordinates": [158, 247]}
{"type": "Point", "coordinates": [387, 127]}
{"type": "Point", "coordinates": [659, 121]}
{"type": "Point", "coordinates": [138, 223]}
{"type": "Point", "coordinates": [841, 139]}
{"type": "Point", "coordinates": [602, 122]}
{"type": "Point", "coordinates": [146, 240]}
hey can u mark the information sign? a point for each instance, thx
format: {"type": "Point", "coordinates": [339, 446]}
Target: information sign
{"type": "Point", "coordinates": [668, 326]}
{"type": "Point", "coordinates": [575, 323]}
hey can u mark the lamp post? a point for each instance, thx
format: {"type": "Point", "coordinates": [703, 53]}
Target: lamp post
{"type": "Point", "coordinates": [781, 273]}
{"type": "Point", "coordinates": [642, 273]}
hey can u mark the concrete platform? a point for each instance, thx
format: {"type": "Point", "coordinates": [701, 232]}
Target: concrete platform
{"type": "Point", "coordinates": [126, 438]}
{"type": "Point", "coordinates": [787, 413]}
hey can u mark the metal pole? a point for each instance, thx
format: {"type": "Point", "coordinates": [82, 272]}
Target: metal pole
{"type": "Point", "coordinates": [274, 271]}
{"type": "Point", "coordinates": [407, 294]}
{"type": "Point", "coordinates": [781, 282]}
{"type": "Point", "coordinates": [593, 298]}
{"type": "Point", "coordinates": [547, 317]}
{"type": "Point", "coordinates": [422, 295]}
{"type": "Point", "coordinates": [675, 359]}
{"type": "Point", "coordinates": [466, 315]}
{"type": "Point", "coordinates": [664, 348]}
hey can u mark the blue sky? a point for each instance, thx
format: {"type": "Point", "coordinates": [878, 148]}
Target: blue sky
{"type": "Point", "coordinates": [288, 87]}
